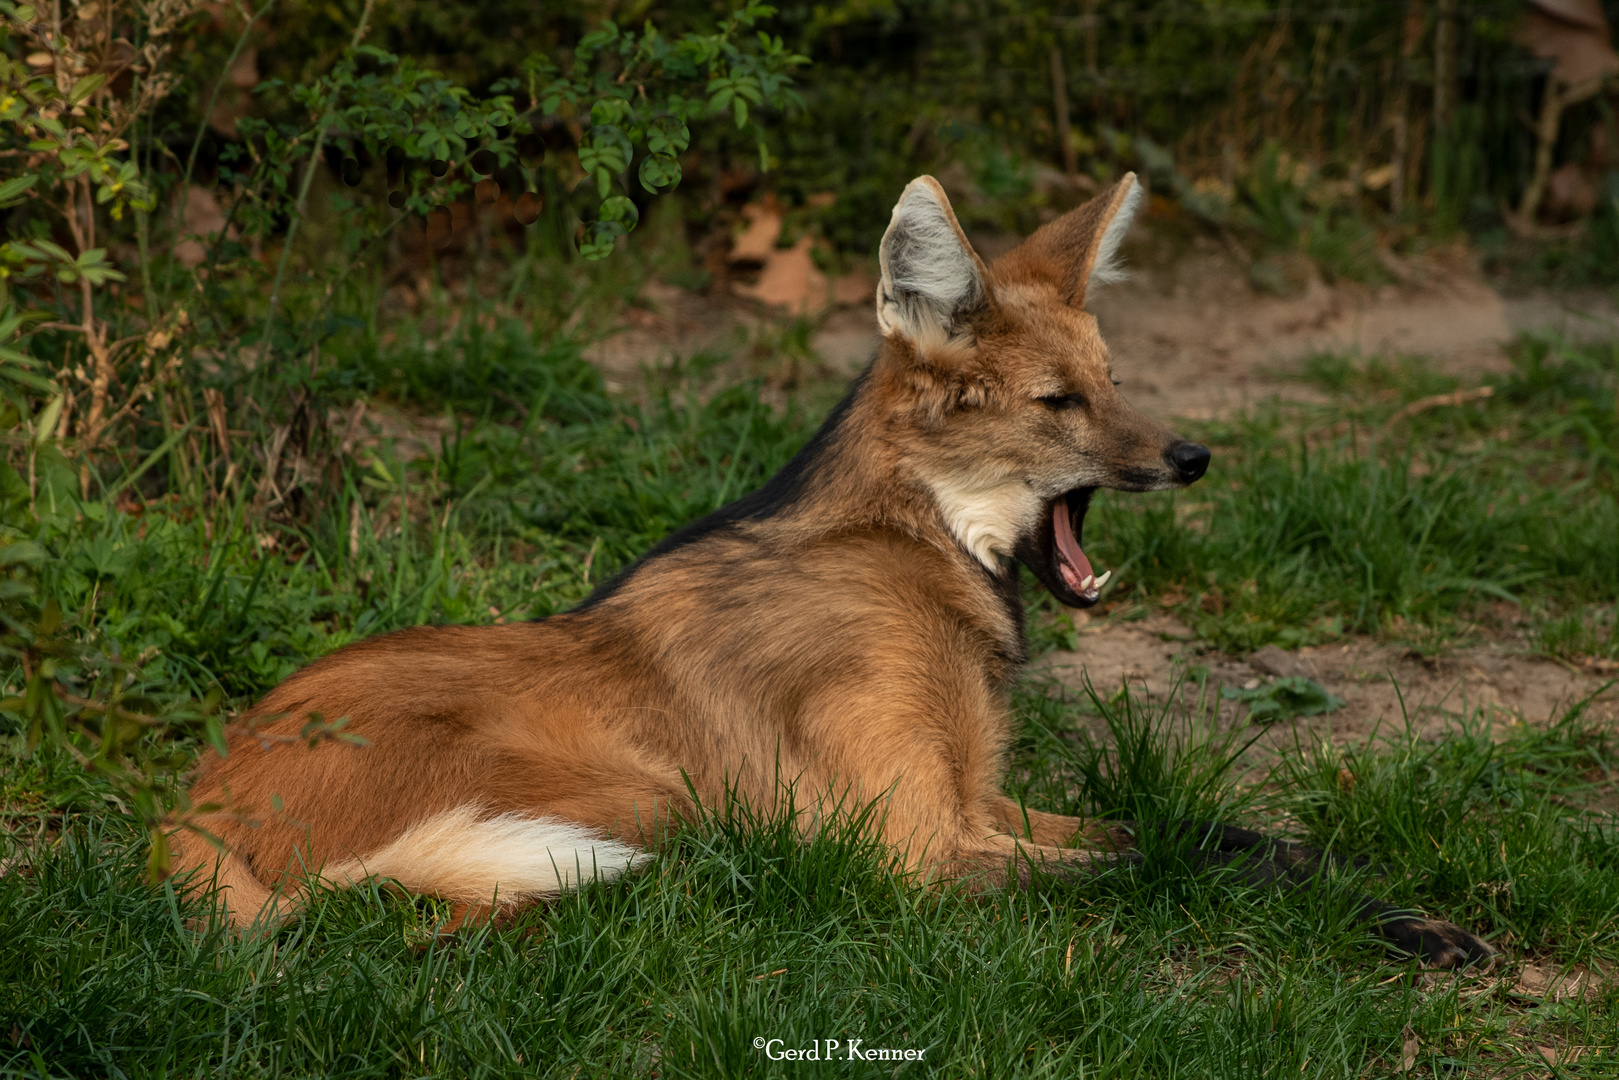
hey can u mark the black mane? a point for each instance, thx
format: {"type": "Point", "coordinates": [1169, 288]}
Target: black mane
{"type": "Point", "coordinates": [779, 492]}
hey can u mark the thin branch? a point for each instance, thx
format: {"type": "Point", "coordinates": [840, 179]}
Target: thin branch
{"type": "Point", "coordinates": [303, 196]}
{"type": "Point", "coordinates": [1437, 401]}
{"type": "Point", "coordinates": [213, 99]}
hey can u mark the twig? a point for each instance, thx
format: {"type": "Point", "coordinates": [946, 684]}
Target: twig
{"type": "Point", "coordinates": [1556, 97]}
{"type": "Point", "coordinates": [1435, 401]}
{"type": "Point", "coordinates": [202, 125]}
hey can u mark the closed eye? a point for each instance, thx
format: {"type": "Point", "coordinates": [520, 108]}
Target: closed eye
{"type": "Point", "coordinates": [1063, 401]}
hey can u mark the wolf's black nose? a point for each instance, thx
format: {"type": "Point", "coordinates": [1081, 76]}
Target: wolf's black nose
{"type": "Point", "coordinates": [1190, 460]}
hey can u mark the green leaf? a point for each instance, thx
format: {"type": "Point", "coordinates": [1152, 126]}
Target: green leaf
{"type": "Point", "coordinates": [596, 240]}
{"type": "Point", "coordinates": [50, 250]}
{"type": "Point", "coordinates": [621, 211]}
{"type": "Point", "coordinates": [660, 173]}
{"type": "Point", "coordinates": [14, 373]}
{"type": "Point", "coordinates": [596, 39]}
{"type": "Point", "coordinates": [667, 135]}
{"type": "Point", "coordinates": [605, 151]}
{"type": "Point", "coordinates": [85, 87]}
{"type": "Point", "coordinates": [101, 275]}
{"type": "Point", "coordinates": [1285, 699]}
{"type": "Point", "coordinates": [45, 425]}
{"type": "Point", "coordinates": [50, 619]}
{"type": "Point", "coordinates": [215, 733]}
{"type": "Point", "coordinates": [610, 110]}
{"type": "Point", "coordinates": [11, 191]}
{"type": "Point", "coordinates": [23, 551]}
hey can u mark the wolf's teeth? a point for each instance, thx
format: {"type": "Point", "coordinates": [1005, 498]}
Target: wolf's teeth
{"type": "Point", "coordinates": [1103, 579]}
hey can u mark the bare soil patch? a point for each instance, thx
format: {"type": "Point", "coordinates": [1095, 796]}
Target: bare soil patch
{"type": "Point", "coordinates": [1383, 686]}
{"type": "Point", "coordinates": [1192, 338]}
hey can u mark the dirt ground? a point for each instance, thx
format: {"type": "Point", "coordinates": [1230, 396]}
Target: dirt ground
{"type": "Point", "coordinates": [1192, 339]}
{"type": "Point", "coordinates": [1383, 686]}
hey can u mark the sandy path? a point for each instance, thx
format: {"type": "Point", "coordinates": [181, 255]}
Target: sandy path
{"type": "Point", "coordinates": [1383, 686]}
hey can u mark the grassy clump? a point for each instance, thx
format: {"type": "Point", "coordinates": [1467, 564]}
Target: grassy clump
{"type": "Point", "coordinates": [512, 519]}
{"type": "Point", "coordinates": [1500, 823]}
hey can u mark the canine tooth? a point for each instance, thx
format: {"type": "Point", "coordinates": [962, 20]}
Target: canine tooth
{"type": "Point", "coordinates": [1085, 585]}
{"type": "Point", "coordinates": [1103, 579]}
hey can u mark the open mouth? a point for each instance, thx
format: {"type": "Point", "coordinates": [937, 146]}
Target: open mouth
{"type": "Point", "coordinates": [1056, 556]}
{"type": "Point", "coordinates": [1067, 525]}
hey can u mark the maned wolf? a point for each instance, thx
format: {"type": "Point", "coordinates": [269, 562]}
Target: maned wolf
{"type": "Point", "coordinates": [852, 628]}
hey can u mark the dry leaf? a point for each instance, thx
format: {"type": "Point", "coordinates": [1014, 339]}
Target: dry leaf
{"type": "Point", "coordinates": [1408, 1051]}
{"type": "Point", "coordinates": [1556, 984]}
{"type": "Point", "coordinates": [1566, 1056]}
{"type": "Point", "coordinates": [758, 240]}
{"type": "Point", "coordinates": [790, 279]}
{"type": "Point", "coordinates": [1574, 35]}
{"type": "Point", "coordinates": [854, 289]}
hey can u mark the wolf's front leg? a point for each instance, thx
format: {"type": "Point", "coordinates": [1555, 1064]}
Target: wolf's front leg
{"type": "Point", "coordinates": [1003, 860]}
{"type": "Point", "coordinates": [1057, 830]}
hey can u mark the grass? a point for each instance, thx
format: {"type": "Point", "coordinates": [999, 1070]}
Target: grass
{"type": "Point", "coordinates": [745, 933]}
{"type": "Point", "coordinates": [538, 481]}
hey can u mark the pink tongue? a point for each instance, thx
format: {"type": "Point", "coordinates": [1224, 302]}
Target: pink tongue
{"type": "Point", "coordinates": [1071, 560]}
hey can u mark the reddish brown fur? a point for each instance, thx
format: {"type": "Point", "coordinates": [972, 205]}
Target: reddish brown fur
{"type": "Point", "coordinates": [848, 643]}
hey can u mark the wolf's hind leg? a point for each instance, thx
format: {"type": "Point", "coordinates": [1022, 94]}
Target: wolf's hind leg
{"type": "Point", "coordinates": [607, 787]}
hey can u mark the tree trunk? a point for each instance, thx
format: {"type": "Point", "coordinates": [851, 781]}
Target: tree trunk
{"type": "Point", "coordinates": [1059, 96]}
{"type": "Point", "coordinates": [1410, 39]}
{"type": "Point", "coordinates": [1444, 65]}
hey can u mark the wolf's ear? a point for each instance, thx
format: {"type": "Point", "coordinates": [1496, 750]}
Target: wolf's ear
{"type": "Point", "coordinates": [1081, 248]}
{"type": "Point", "coordinates": [933, 283]}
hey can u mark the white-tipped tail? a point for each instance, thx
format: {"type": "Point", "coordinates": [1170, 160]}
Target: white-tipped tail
{"type": "Point", "coordinates": [462, 855]}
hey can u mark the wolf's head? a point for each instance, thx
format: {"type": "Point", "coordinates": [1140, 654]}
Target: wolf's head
{"type": "Point", "coordinates": [998, 383]}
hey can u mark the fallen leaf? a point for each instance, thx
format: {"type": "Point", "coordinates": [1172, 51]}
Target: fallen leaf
{"type": "Point", "coordinates": [790, 279]}
{"type": "Point", "coordinates": [1555, 984]}
{"type": "Point", "coordinates": [1408, 1051]}
{"type": "Point", "coordinates": [854, 289]}
{"type": "Point", "coordinates": [758, 241]}
{"type": "Point", "coordinates": [1574, 35]}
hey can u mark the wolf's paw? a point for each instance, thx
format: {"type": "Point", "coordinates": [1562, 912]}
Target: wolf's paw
{"type": "Point", "coordinates": [1438, 944]}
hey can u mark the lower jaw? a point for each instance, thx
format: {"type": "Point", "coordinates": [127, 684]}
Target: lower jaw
{"type": "Point", "coordinates": [1089, 588]}
{"type": "Point", "coordinates": [1081, 581]}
